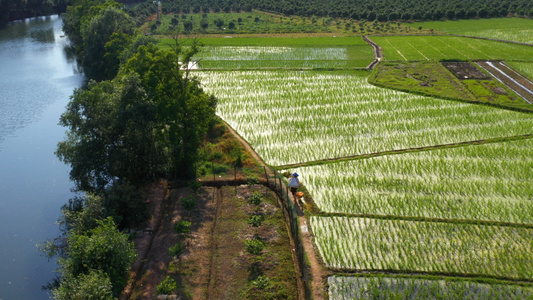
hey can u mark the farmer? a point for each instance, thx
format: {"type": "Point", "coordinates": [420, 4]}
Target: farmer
{"type": "Point", "coordinates": [294, 183]}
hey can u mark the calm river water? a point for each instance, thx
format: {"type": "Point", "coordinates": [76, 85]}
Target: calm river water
{"type": "Point", "coordinates": [36, 80]}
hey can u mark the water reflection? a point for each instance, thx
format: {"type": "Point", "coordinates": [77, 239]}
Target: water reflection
{"type": "Point", "coordinates": [37, 77]}
{"type": "Point", "coordinates": [30, 51]}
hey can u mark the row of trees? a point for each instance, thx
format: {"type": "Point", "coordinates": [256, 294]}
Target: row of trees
{"type": "Point", "coordinates": [381, 10]}
{"type": "Point", "coordinates": [20, 9]}
{"type": "Point", "coordinates": [140, 117]}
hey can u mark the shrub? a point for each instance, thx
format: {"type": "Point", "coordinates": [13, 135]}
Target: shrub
{"type": "Point", "coordinates": [254, 246]}
{"type": "Point", "coordinates": [195, 185]}
{"type": "Point", "coordinates": [167, 286]}
{"type": "Point", "coordinates": [183, 226]}
{"type": "Point", "coordinates": [252, 180]}
{"type": "Point", "coordinates": [262, 282]}
{"type": "Point", "coordinates": [256, 220]}
{"type": "Point", "coordinates": [176, 250]}
{"type": "Point", "coordinates": [256, 198]}
{"type": "Point", "coordinates": [189, 202]}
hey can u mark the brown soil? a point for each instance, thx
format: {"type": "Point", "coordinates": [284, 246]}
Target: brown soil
{"type": "Point", "coordinates": [318, 272]}
{"type": "Point", "coordinates": [214, 264]}
{"type": "Point", "coordinates": [154, 261]}
{"type": "Point", "coordinates": [464, 70]}
{"type": "Point", "coordinates": [520, 85]}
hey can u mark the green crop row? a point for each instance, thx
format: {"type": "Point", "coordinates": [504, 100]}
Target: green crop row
{"type": "Point", "coordinates": [382, 287]}
{"type": "Point", "coordinates": [490, 182]}
{"type": "Point", "coordinates": [525, 69]}
{"type": "Point", "coordinates": [429, 247]}
{"type": "Point", "coordinates": [301, 116]}
{"type": "Point", "coordinates": [256, 57]}
{"type": "Point", "coordinates": [410, 48]}
{"type": "Point", "coordinates": [270, 41]}
{"type": "Point", "coordinates": [257, 53]}
{"type": "Point", "coordinates": [509, 29]}
{"type": "Point", "coordinates": [250, 65]}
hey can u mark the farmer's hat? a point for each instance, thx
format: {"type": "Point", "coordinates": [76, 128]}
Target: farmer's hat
{"type": "Point", "coordinates": [295, 175]}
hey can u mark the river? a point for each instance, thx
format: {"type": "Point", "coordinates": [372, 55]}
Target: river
{"type": "Point", "coordinates": [36, 79]}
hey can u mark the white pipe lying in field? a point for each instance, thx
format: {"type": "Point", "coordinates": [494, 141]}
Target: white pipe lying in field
{"type": "Point", "coordinates": [505, 74]}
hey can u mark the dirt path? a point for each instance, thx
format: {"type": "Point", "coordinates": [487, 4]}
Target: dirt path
{"type": "Point", "coordinates": [317, 271]}
{"type": "Point", "coordinates": [512, 79]}
{"type": "Point", "coordinates": [378, 53]}
{"type": "Point", "coordinates": [157, 200]}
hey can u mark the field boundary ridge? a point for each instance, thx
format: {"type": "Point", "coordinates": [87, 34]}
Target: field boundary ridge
{"type": "Point", "coordinates": [427, 219]}
{"type": "Point", "coordinates": [464, 276]}
{"type": "Point", "coordinates": [405, 150]}
{"type": "Point", "coordinates": [490, 39]}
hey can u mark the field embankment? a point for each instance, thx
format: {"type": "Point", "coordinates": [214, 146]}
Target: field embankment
{"type": "Point", "coordinates": [512, 79]}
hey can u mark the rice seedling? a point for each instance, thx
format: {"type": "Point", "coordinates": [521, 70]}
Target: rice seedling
{"type": "Point", "coordinates": [509, 29]}
{"type": "Point", "coordinates": [386, 287]}
{"type": "Point", "coordinates": [490, 182]}
{"type": "Point", "coordinates": [255, 57]}
{"type": "Point", "coordinates": [273, 53]}
{"type": "Point", "coordinates": [430, 247]}
{"type": "Point", "coordinates": [299, 116]}
{"type": "Point", "coordinates": [408, 48]}
{"type": "Point", "coordinates": [525, 69]}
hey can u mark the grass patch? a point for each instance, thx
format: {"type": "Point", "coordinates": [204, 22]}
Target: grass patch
{"type": "Point", "coordinates": [426, 78]}
{"type": "Point", "coordinates": [487, 182]}
{"type": "Point", "coordinates": [422, 287]}
{"type": "Point", "coordinates": [270, 41]}
{"type": "Point", "coordinates": [222, 154]}
{"type": "Point", "coordinates": [525, 69]}
{"type": "Point", "coordinates": [411, 48]}
{"type": "Point", "coordinates": [280, 52]}
{"type": "Point", "coordinates": [258, 22]}
{"type": "Point", "coordinates": [424, 247]}
{"type": "Point", "coordinates": [433, 79]}
{"type": "Point", "coordinates": [269, 270]}
{"type": "Point", "coordinates": [510, 29]}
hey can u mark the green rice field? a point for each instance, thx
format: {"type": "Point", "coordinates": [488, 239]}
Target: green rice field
{"type": "Point", "coordinates": [387, 287]}
{"type": "Point", "coordinates": [385, 205]}
{"type": "Point", "coordinates": [335, 114]}
{"type": "Point", "coordinates": [256, 57]}
{"type": "Point", "coordinates": [490, 182]}
{"type": "Point", "coordinates": [509, 29]}
{"type": "Point", "coordinates": [525, 69]}
{"type": "Point", "coordinates": [413, 48]}
{"type": "Point", "coordinates": [282, 53]}
{"type": "Point", "coordinates": [430, 247]}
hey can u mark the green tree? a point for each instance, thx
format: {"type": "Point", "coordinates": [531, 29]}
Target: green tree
{"type": "Point", "coordinates": [78, 15]}
{"type": "Point", "coordinates": [219, 23]}
{"type": "Point", "coordinates": [78, 215]}
{"type": "Point", "coordinates": [204, 24]}
{"type": "Point", "coordinates": [126, 204]}
{"type": "Point", "coordinates": [184, 111]}
{"type": "Point", "coordinates": [103, 248]}
{"type": "Point", "coordinates": [96, 34]}
{"type": "Point", "coordinates": [114, 49]}
{"type": "Point", "coordinates": [81, 214]}
{"type": "Point", "coordinates": [111, 137]}
{"type": "Point", "coordinates": [94, 285]}
{"type": "Point", "coordinates": [187, 26]}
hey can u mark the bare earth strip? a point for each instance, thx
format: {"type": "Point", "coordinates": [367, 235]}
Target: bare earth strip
{"type": "Point", "coordinates": [518, 83]}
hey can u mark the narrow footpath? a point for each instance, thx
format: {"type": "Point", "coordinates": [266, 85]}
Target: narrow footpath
{"type": "Point", "coordinates": [319, 274]}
